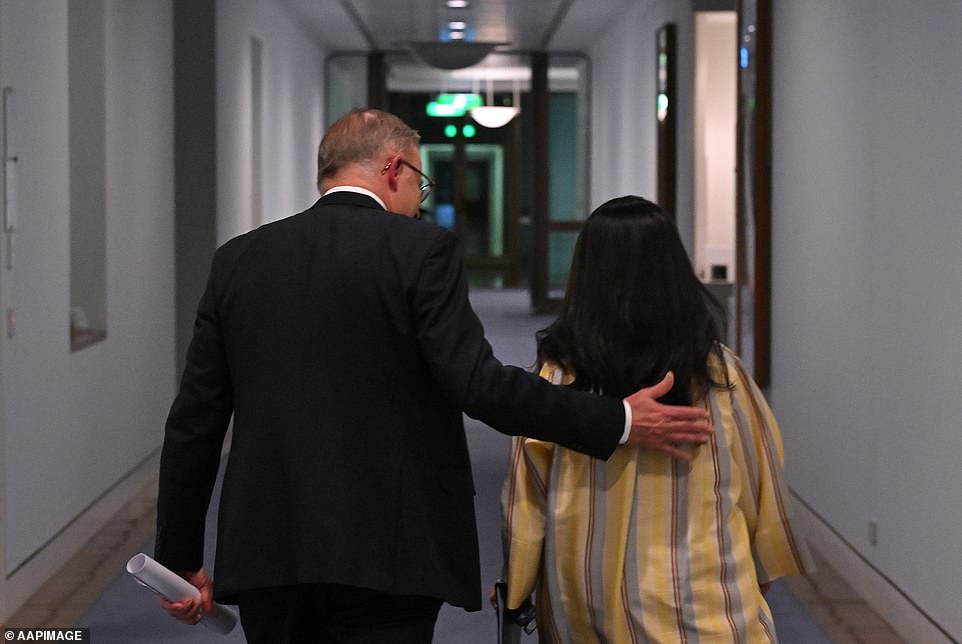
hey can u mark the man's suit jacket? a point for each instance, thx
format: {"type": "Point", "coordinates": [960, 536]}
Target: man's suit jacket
{"type": "Point", "coordinates": [342, 341]}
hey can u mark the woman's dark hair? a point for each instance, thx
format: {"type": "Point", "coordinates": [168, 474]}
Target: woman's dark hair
{"type": "Point", "coordinates": [634, 309]}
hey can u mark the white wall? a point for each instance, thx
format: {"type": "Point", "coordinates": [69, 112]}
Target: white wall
{"type": "Point", "coordinates": [75, 425]}
{"type": "Point", "coordinates": [867, 282]}
{"type": "Point", "coordinates": [623, 131]}
{"type": "Point", "coordinates": [293, 71]}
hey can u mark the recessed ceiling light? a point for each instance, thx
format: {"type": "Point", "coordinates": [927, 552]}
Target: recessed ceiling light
{"type": "Point", "coordinates": [457, 4]}
{"type": "Point", "coordinates": [457, 25]}
{"type": "Point", "coordinates": [457, 35]}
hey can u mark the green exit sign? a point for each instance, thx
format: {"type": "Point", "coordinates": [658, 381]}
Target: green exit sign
{"type": "Point", "coordinates": [448, 105]}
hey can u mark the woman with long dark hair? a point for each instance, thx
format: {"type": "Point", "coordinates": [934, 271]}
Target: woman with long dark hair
{"type": "Point", "coordinates": [645, 547]}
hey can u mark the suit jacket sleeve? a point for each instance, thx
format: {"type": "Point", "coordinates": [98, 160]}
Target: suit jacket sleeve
{"type": "Point", "coordinates": [509, 399]}
{"type": "Point", "coordinates": [193, 439]}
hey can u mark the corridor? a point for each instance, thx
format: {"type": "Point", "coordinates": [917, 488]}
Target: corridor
{"type": "Point", "coordinates": [140, 135]}
{"type": "Point", "coordinates": [94, 591]}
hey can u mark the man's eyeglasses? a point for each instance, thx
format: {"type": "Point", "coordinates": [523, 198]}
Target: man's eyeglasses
{"type": "Point", "coordinates": [426, 186]}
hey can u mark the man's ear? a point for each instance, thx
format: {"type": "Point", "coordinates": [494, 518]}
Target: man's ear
{"type": "Point", "coordinates": [392, 172]}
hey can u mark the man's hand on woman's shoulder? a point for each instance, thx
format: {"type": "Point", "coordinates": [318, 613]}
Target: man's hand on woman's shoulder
{"type": "Point", "coordinates": [666, 428]}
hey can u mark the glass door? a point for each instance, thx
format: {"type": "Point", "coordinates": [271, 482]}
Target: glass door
{"type": "Point", "coordinates": [468, 199]}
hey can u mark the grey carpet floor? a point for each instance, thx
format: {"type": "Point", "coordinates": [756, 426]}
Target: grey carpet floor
{"type": "Point", "coordinates": [127, 614]}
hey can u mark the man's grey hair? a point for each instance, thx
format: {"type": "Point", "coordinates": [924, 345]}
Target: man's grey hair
{"type": "Point", "coordinates": [363, 134]}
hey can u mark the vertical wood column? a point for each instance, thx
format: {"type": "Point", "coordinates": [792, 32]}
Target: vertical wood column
{"type": "Point", "coordinates": [376, 80]}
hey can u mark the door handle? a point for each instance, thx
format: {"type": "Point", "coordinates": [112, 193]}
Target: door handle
{"type": "Point", "coordinates": [8, 177]}
{"type": "Point", "coordinates": [9, 168]}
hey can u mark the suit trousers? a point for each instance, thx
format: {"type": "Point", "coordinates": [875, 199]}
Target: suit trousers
{"type": "Point", "coordinates": [336, 614]}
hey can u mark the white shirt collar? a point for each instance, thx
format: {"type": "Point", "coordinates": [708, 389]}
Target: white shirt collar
{"type": "Point", "coordinates": [358, 190]}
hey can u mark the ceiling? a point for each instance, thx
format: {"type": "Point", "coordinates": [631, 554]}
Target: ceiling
{"type": "Point", "coordinates": [526, 25]}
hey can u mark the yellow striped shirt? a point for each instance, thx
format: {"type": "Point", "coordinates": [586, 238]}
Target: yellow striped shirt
{"type": "Point", "coordinates": [648, 548]}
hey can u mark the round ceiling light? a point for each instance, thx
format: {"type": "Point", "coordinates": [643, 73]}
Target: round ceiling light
{"type": "Point", "coordinates": [493, 116]}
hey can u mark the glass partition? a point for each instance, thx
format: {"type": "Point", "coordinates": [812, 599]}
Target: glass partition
{"type": "Point", "coordinates": [568, 161]}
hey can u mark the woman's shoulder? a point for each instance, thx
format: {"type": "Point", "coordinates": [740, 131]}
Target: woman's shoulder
{"type": "Point", "coordinates": [724, 365]}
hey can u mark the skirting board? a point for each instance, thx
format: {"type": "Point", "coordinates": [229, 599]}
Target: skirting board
{"type": "Point", "coordinates": [877, 591]}
{"type": "Point", "coordinates": [26, 580]}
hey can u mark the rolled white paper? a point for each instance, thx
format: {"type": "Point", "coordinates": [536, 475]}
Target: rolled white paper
{"type": "Point", "coordinates": [175, 588]}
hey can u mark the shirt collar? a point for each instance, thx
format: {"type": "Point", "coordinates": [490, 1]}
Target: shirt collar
{"type": "Point", "coordinates": [358, 190]}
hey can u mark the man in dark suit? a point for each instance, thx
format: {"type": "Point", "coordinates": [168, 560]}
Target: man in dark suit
{"type": "Point", "coordinates": [342, 342]}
